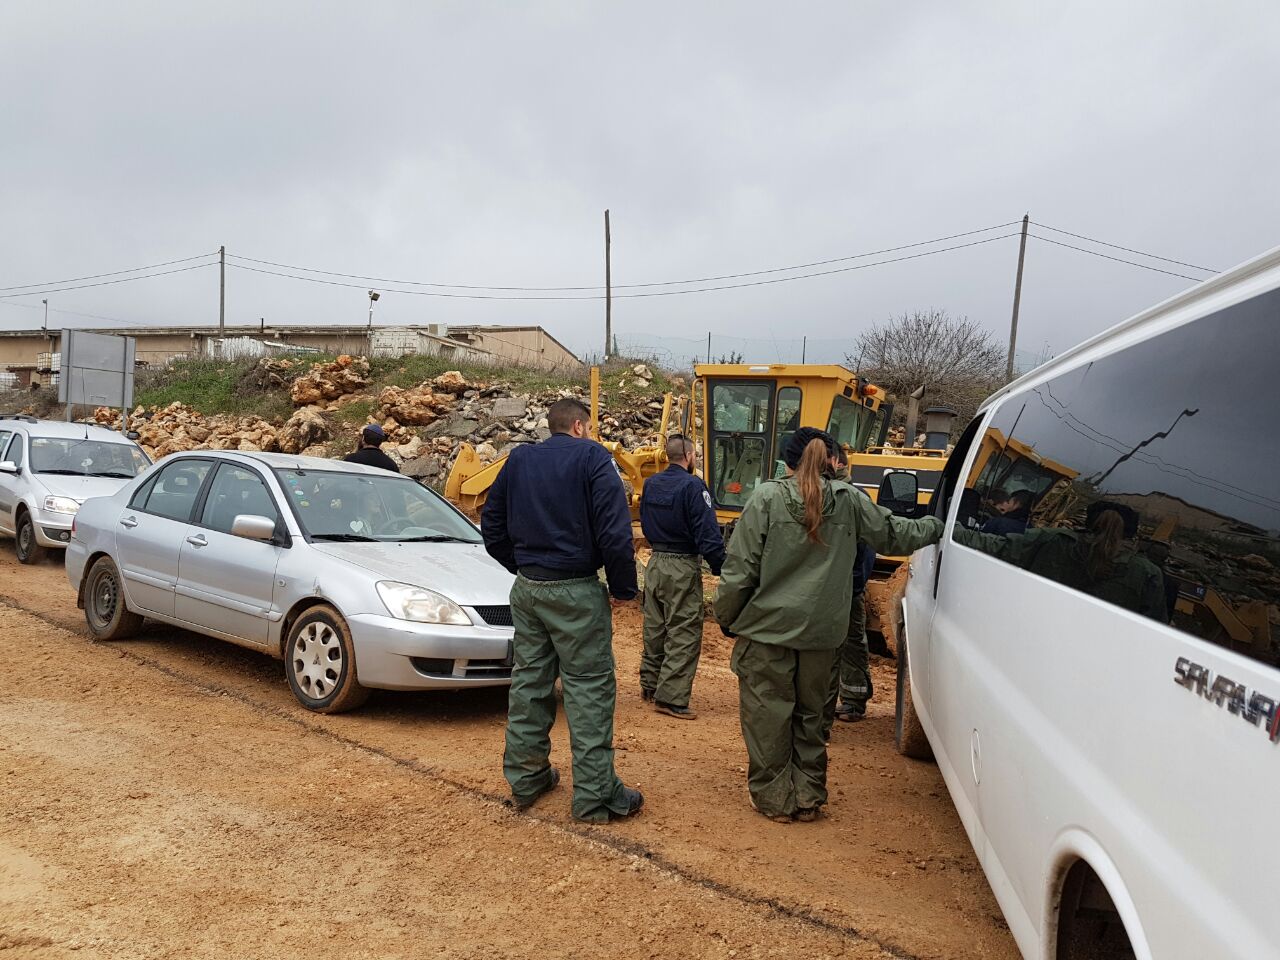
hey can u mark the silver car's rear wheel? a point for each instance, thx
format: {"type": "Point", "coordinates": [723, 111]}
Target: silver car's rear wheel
{"type": "Point", "coordinates": [105, 611]}
{"type": "Point", "coordinates": [320, 662]}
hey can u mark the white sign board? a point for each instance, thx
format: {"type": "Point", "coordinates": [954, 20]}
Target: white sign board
{"type": "Point", "coordinates": [97, 369]}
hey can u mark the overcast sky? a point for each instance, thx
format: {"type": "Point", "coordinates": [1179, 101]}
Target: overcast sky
{"type": "Point", "coordinates": [474, 143]}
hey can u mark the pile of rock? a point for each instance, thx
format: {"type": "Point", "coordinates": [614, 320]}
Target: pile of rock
{"type": "Point", "coordinates": [426, 425]}
{"type": "Point", "coordinates": [326, 382]}
{"type": "Point", "coordinates": [176, 428]}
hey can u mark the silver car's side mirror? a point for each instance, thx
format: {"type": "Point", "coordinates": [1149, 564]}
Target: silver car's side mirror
{"type": "Point", "coordinates": [8, 466]}
{"type": "Point", "coordinates": [253, 527]}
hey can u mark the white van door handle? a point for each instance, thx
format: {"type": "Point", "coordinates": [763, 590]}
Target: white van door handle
{"type": "Point", "coordinates": [198, 540]}
{"type": "Point", "coordinates": [129, 522]}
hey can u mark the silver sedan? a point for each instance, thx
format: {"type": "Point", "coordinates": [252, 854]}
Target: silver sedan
{"type": "Point", "coordinates": [356, 577]}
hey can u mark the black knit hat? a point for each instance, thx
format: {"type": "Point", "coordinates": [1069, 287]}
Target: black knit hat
{"type": "Point", "coordinates": [794, 449]}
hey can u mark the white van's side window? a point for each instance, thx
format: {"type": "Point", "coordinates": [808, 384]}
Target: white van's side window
{"type": "Point", "coordinates": [1148, 479]}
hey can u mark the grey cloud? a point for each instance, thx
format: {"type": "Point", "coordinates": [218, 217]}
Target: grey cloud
{"type": "Point", "coordinates": [480, 143]}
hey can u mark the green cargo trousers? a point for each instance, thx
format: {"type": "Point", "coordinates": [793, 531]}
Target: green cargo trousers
{"type": "Point", "coordinates": [672, 626]}
{"type": "Point", "coordinates": [563, 628]}
{"type": "Point", "coordinates": [781, 695]}
{"type": "Point", "coordinates": [851, 673]}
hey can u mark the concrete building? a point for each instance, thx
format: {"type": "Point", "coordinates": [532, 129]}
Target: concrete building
{"type": "Point", "coordinates": [21, 350]}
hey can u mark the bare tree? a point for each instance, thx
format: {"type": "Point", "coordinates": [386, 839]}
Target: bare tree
{"type": "Point", "coordinates": [954, 359]}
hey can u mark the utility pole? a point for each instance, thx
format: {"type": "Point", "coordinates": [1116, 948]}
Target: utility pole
{"type": "Point", "coordinates": [222, 293]}
{"type": "Point", "coordinates": [608, 290]}
{"type": "Point", "coordinates": [708, 346]}
{"type": "Point", "coordinates": [1017, 298]}
{"type": "Point", "coordinates": [804, 347]}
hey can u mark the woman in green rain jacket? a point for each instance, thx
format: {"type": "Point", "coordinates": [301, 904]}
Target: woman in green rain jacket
{"type": "Point", "coordinates": [784, 594]}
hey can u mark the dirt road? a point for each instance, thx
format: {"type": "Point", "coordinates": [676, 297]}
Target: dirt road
{"type": "Point", "coordinates": [166, 796]}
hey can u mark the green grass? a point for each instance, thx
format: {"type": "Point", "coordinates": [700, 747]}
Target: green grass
{"type": "Point", "coordinates": [211, 387]}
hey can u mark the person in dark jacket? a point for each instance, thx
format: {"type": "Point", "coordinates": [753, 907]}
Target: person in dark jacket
{"type": "Point", "coordinates": [370, 452]}
{"type": "Point", "coordinates": [679, 521]}
{"type": "Point", "coordinates": [1012, 513]}
{"type": "Point", "coordinates": [555, 515]}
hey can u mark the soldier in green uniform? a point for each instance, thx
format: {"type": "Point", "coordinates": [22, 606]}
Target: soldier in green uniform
{"type": "Point", "coordinates": [786, 584]}
{"type": "Point", "coordinates": [679, 521]}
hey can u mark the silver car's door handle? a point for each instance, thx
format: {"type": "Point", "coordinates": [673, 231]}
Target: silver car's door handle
{"type": "Point", "coordinates": [198, 540]}
{"type": "Point", "coordinates": [129, 522]}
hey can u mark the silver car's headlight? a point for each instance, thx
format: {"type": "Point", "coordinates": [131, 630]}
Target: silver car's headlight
{"type": "Point", "coordinates": [61, 505]}
{"type": "Point", "coordinates": [407, 602]}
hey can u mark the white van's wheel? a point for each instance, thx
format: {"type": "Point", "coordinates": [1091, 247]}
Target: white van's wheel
{"type": "Point", "coordinates": [908, 733]}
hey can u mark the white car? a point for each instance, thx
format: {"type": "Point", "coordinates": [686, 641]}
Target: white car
{"type": "Point", "coordinates": [356, 577]}
{"type": "Point", "coordinates": [48, 469]}
{"type": "Point", "coordinates": [1092, 652]}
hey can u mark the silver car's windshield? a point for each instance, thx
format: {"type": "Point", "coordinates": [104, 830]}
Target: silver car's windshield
{"type": "Point", "coordinates": [86, 458]}
{"type": "Point", "coordinates": [342, 506]}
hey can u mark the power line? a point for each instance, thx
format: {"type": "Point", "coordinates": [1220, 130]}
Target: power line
{"type": "Point", "coordinates": [1107, 256]}
{"type": "Point", "coordinates": [1117, 246]}
{"type": "Point", "coordinates": [113, 273]}
{"type": "Point", "coordinates": [622, 286]}
{"type": "Point", "coordinates": [658, 293]}
{"type": "Point", "coordinates": [107, 283]}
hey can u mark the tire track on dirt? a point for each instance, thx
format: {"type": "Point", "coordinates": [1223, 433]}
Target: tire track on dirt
{"type": "Point", "coordinates": [591, 835]}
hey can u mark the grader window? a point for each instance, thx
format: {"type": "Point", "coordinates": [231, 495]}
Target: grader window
{"type": "Point", "coordinates": [787, 422]}
{"type": "Point", "coordinates": [739, 421]}
{"type": "Point", "coordinates": [850, 423]}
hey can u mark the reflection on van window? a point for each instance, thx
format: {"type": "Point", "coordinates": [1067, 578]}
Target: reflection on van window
{"type": "Point", "coordinates": [1142, 480]}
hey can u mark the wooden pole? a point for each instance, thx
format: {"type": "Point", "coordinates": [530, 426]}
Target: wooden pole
{"type": "Point", "coordinates": [222, 293]}
{"type": "Point", "coordinates": [608, 290]}
{"type": "Point", "coordinates": [1017, 299]}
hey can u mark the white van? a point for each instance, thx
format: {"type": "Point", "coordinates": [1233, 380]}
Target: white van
{"type": "Point", "coordinates": [1092, 653]}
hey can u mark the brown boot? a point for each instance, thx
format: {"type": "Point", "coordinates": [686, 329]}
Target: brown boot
{"type": "Point", "coordinates": [671, 710]}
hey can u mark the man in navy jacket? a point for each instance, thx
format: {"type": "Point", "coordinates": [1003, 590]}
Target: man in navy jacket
{"type": "Point", "coordinates": [554, 516]}
{"type": "Point", "coordinates": [679, 521]}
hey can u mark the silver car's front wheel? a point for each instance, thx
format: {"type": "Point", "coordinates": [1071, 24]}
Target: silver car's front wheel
{"type": "Point", "coordinates": [320, 662]}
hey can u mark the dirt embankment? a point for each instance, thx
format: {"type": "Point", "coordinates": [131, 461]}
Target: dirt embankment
{"type": "Point", "coordinates": [167, 797]}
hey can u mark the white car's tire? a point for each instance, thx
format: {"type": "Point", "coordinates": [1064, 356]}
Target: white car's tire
{"type": "Point", "coordinates": [320, 662]}
{"type": "Point", "coordinates": [908, 732]}
{"type": "Point", "coordinates": [25, 544]}
{"type": "Point", "coordinates": [105, 610]}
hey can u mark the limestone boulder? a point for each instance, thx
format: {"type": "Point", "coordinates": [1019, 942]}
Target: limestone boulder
{"type": "Point", "coordinates": [510, 408]}
{"type": "Point", "coordinates": [412, 406]}
{"type": "Point", "coordinates": [451, 382]}
{"type": "Point", "coordinates": [326, 382]}
{"type": "Point", "coordinates": [305, 428]}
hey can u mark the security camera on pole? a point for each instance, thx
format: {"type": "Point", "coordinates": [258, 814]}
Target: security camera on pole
{"type": "Point", "coordinates": [373, 298]}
